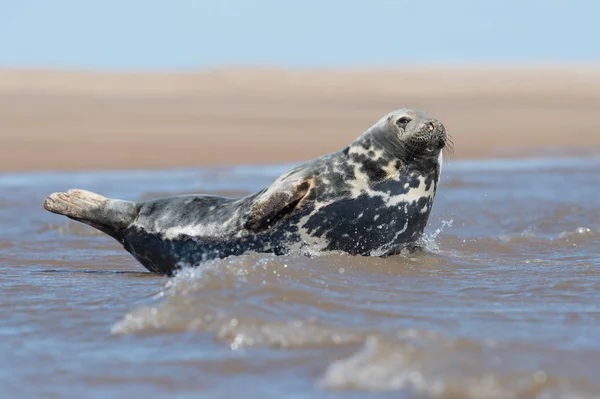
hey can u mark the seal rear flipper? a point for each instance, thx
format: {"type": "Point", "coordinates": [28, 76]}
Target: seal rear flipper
{"type": "Point", "coordinates": [110, 216]}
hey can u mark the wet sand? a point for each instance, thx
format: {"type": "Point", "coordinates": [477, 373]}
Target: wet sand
{"type": "Point", "coordinates": [64, 120]}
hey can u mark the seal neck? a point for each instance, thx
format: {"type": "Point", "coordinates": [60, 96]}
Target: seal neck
{"type": "Point", "coordinates": [393, 149]}
{"type": "Point", "coordinates": [380, 139]}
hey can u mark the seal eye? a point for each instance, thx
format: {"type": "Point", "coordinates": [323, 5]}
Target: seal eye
{"type": "Point", "coordinates": [402, 122]}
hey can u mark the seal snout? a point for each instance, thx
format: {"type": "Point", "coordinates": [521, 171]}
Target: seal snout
{"type": "Point", "coordinates": [439, 136]}
{"type": "Point", "coordinates": [429, 137]}
{"type": "Point", "coordinates": [431, 130]}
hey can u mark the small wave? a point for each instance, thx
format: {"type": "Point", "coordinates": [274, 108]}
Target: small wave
{"type": "Point", "coordinates": [580, 235]}
{"type": "Point", "coordinates": [222, 315]}
{"type": "Point", "coordinates": [268, 297]}
{"type": "Point", "coordinates": [438, 367]}
{"type": "Point", "coordinates": [237, 332]}
{"type": "Point", "coordinates": [291, 334]}
{"type": "Point", "coordinates": [384, 366]}
{"type": "Point", "coordinates": [213, 295]}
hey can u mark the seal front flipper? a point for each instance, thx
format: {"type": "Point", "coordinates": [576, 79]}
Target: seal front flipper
{"type": "Point", "coordinates": [110, 216]}
{"type": "Point", "coordinates": [272, 203]}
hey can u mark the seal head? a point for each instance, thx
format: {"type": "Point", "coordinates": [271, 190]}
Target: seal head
{"type": "Point", "coordinates": [385, 194]}
{"type": "Point", "coordinates": [410, 135]}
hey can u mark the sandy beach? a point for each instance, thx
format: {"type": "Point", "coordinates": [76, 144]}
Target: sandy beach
{"type": "Point", "coordinates": [58, 120]}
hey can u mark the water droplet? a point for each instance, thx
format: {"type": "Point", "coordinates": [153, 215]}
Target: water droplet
{"type": "Point", "coordinates": [341, 270]}
{"type": "Point", "coordinates": [237, 342]}
{"type": "Point", "coordinates": [234, 322]}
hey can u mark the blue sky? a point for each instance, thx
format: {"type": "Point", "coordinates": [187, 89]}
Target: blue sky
{"type": "Point", "coordinates": [189, 34]}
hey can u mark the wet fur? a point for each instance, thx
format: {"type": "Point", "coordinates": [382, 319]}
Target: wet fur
{"type": "Point", "coordinates": [373, 198]}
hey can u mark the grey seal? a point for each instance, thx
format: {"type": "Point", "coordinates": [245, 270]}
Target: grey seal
{"type": "Point", "coordinates": [371, 198]}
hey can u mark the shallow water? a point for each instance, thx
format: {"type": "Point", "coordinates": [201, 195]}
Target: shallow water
{"type": "Point", "coordinates": [505, 303]}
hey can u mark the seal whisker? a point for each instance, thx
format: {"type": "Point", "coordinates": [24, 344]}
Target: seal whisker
{"type": "Point", "coordinates": [449, 146]}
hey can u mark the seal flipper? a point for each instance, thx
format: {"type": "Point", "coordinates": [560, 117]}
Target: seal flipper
{"type": "Point", "coordinates": [270, 204]}
{"type": "Point", "coordinates": [111, 216]}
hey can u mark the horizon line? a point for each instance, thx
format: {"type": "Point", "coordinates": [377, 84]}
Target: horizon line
{"type": "Point", "coordinates": [401, 67]}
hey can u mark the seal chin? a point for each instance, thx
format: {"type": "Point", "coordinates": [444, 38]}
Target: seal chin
{"type": "Point", "coordinates": [440, 142]}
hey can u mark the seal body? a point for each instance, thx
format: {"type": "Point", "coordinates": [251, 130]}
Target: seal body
{"type": "Point", "coordinates": [371, 198]}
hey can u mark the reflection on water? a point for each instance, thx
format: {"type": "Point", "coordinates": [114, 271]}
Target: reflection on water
{"type": "Point", "coordinates": [505, 303]}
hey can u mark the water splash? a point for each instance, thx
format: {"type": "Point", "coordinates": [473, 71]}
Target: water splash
{"type": "Point", "coordinates": [429, 241]}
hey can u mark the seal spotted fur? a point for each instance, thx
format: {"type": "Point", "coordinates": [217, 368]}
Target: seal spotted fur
{"type": "Point", "coordinates": [372, 198]}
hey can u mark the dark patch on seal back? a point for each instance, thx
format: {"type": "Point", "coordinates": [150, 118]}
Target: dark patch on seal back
{"type": "Point", "coordinates": [373, 170]}
{"type": "Point", "coordinates": [371, 167]}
